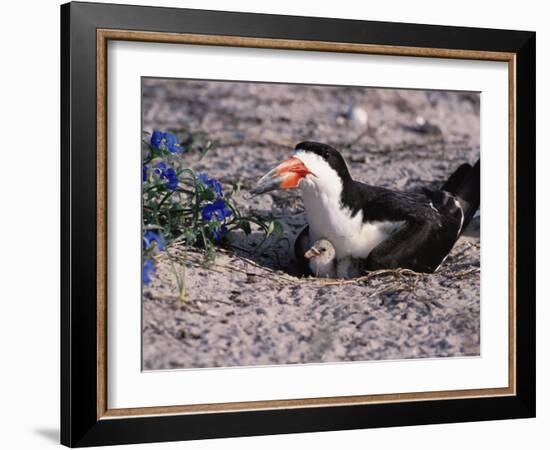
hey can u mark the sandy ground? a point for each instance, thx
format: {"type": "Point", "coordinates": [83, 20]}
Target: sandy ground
{"type": "Point", "coordinates": [257, 310]}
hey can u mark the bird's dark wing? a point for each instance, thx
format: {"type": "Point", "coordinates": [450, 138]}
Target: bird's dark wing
{"type": "Point", "coordinates": [380, 204]}
{"type": "Point", "coordinates": [416, 246]}
{"type": "Point", "coordinates": [432, 224]}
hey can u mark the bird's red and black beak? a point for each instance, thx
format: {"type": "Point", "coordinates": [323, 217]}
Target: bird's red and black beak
{"type": "Point", "coordinates": [286, 175]}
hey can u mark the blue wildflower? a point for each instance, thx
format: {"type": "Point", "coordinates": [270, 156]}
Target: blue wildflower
{"type": "Point", "coordinates": [145, 173]}
{"type": "Point", "coordinates": [172, 177]}
{"type": "Point", "coordinates": [156, 138]}
{"type": "Point", "coordinates": [172, 143]}
{"type": "Point", "coordinates": [207, 212]}
{"type": "Point", "coordinates": [162, 171]}
{"type": "Point", "coordinates": [166, 140]}
{"type": "Point", "coordinates": [223, 208]}
{"type": "Point", "coordinates": [219, 233]}
{"type": "Point", "coordinates": [147, 271]}
{"type": "Point", "coordinates": [215, 211]}
{"type": "Point", "coordinates": [215, 184]}
{"type": "Point", "coordinates": [151, 236]}
{"type": "Point", "coordinates": [159, 168]}
{"type": "Point", "coordinates": [212, 183]}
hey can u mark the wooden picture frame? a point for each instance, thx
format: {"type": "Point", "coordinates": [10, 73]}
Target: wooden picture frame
{"type": "Point", "coordinates": [86, 418]}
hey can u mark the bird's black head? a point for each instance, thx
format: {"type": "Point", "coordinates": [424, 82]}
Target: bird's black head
{"type": "Point", "coordinates": [329, 154]}
{"type": "Point", "coordinates": [315, 164]}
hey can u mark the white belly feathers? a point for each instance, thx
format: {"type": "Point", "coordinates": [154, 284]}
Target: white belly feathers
{"type": "Point", "coordinates": [329, 219]}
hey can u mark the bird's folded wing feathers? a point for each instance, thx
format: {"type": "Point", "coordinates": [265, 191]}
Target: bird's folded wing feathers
{"type": "Point", "coordinates": [385, 204]}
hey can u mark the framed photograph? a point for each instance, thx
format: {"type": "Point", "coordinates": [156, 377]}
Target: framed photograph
{"type": "Point", "coordinates": [276, 224]}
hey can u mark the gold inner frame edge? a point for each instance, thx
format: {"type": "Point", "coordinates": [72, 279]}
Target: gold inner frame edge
{"type": "Point", "coordinates": [103, 36]}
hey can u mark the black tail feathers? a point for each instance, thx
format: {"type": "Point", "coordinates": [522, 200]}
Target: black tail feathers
{"type": "Point", "coordinates": [465, 184]}
{"type": "Point", "coordinates": [454, 181]}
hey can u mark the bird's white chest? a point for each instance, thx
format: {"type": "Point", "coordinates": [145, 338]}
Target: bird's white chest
{"type": "Point", "coordinates": [350, 236]}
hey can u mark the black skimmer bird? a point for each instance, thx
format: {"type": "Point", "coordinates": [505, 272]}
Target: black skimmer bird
{"type": "Point", "coordinates": [382, 228]}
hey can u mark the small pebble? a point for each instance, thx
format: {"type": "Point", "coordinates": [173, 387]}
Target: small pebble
{"type": "Point", "coordinates": [359, 115]}
{"type": "Point", "coordinates": [420, 121]}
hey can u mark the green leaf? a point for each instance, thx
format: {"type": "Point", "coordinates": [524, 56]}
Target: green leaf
{"type": "Point", "coordinates": [190, 236]}
{"type": "Point", "coordinates": [278, 229]}
{"type": "Point", "coordinates": [245, 226]}
{"type": "Point", "coordinates": [208, 195]}
{"type": "Point", "coordinates": [236, 188]}
{"type": "Point", "coordinates": [209, 146]}
{"type": "Point", "coordinates": [270, 228]}
{"type": "Point", "coordinates": [152, 227]}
